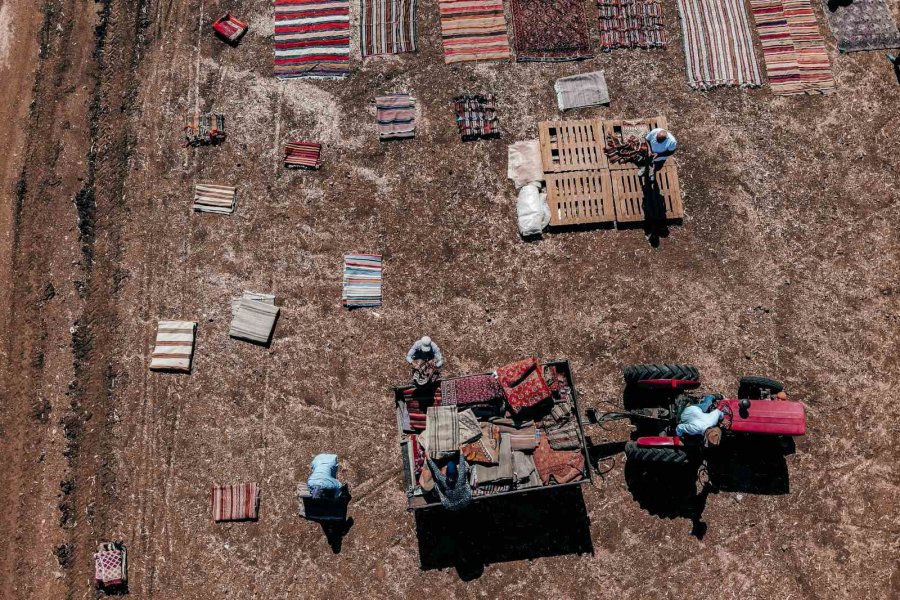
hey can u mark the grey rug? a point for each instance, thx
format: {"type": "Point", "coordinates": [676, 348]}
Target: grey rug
{"type": "Point", "coordinates": [862, 25]}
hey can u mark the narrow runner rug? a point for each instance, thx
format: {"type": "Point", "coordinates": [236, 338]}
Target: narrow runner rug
{"type": "Point", "coordinates": [718, 44]}
{"type": "Point", "coordinates": [387, 26]}
{"type": "Point", "coordinates": [312, 38]}
{"type": "Point", "coordinates": [631, 24]}
{"type": "Point", "coordinates": [863, 25]}
{"type": "Point", "coordinates": [473, 30]}
{"type": "Point", "coordinates": [550, 31]}
{"type": "Point", "coordinates": [793, 49]}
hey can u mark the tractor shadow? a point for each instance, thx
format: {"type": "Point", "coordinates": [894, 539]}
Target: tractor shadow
{"type": "Point", "coordinates": [526, 526]}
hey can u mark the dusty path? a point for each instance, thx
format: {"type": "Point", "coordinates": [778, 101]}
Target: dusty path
{"type": "Point", "coordinates": [783, 266]}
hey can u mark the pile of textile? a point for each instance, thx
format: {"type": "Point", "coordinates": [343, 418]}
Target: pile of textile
{"type": "Point", "coordinates": [396, 116]}
{"type": "Point", "coordinates": [230, 28]}
{"type": "Point", "coordinates": [253, 317]}
{"type": "Point", "coordinates": [511, 430]}
{"type": "Point", "coordinates": [629, 147]}
{"type": "Point", "coordinates": [302, 155]}
{"type": "Point", "coordinates": [204, 129]}
{"type": "Point", "coordinates": [476, 117]}
{"type": "Point", "coordinates": [362, 280]}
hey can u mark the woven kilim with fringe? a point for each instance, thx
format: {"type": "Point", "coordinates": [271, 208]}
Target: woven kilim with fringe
{"type": "Point", "coordinates": [631, 24]}
{"type": "Point", "coordinates": [473, 30]}
{"type": "Point", "coordinates": [312, 38]}
{"type": "Point", "coordinates": [387, 26]}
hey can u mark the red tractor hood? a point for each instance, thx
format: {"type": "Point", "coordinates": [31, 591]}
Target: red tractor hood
{"type": "Point", "coordinates": [772, 417]}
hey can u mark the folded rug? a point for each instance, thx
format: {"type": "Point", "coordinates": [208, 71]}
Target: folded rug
{"type": "Point", "coordinates": [561, 428]}
{"type": "Point", "coordinates": [362, 280]}
{"type": "Point", "coordinates": [485, 449]}
{"type": "Point", "coordinates": [110, 565]}
{"type": "Point", "coordinates": [441, 435]}
{"type": "Point", "coordinates": [550, 31]}
{"type": "Point", "coordinates": [523, 162]}
{"type": "Point", "coordinates": [473, 30]}
{"type": "Point", "coordinates": [582, 90]}
{"type": "Point", "coordinates": [214, 198]}
{"type": "Point", "coordinates": [235, 502]}
{"type": "Point", "coordinates": [174, 348]}
{"type": "Point", "coordinates": [523, 384]}
{"type": "Point", "coordinates": [862, 25]}
{"type": "Point", "coordinates": [253, 317]}
{"type": "Point", "coordinates": [312, 38]}
{"type": "Point", "coordinates": [631, 24]}
{"type": "Point", "coordinates": [476, 117]}
{"type": "Point", "coordinates": [718, 45]}
{"type": "Point", "coordinates": [502, 471]}
{"type": "Point", "coordinates": [302, 155]}
{"type": "Point", "coordinates": [396, 116]}
{"type": "Point", "coordinates": [387, 26]}
{"type": "Point", "coordinates": [469, 428]}
{"type": "Point", "coordinates": [559, 466]}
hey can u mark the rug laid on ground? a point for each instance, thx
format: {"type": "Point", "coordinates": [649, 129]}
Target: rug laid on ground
{"type": "Point", "coordinates": [581, 91]}
{"type": "Point", "coordinates": [387, 26]}
{"type": "Point", "coordinates": [631, 24]}
{"type": "Point", "coordinates": [862, 25]}
{"type": "Point", "coordinates": [793, 49]}
{"type": "Point", "coordinates": [550, 31]}
{"type": "Point", "coordinates": [476, 117]}
{"type": "Point", "coordinates": [312, 38]}
{"type": "Point", "coordinates": [111, 565]}
{"type": "Point", "coordinates": [235, 502]}
{"type": "Point", "coordinates": [473, 30]}
{"type": "Point", "coordinates": [362, 280]}
{"type": "Point", "coordinates": [718, 44]}
{"type": "Point", "coordinates": [396, 116]}
{"type": "Point", "coordinates": [213, 198]}
{"type": "Point", "coordinates": [253, 317]}
{"type": "Point", "coordinates": [174, 348]}
{"type": "Point", "coordinates": [303, 155]}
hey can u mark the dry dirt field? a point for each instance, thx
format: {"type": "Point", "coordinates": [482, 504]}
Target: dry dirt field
{"type": "Point", "coordinates": [787, 264]}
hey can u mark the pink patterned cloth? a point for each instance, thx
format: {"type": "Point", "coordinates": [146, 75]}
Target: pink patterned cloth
{"type": "Point", "coordinates": [109, 565]}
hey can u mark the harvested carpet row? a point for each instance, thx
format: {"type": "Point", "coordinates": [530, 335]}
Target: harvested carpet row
{"type": "Point", "coordinates": [362, 280]}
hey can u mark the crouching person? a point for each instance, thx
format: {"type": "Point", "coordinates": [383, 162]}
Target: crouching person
{"type": "Point", "coordinates": [426, 360]}
{"type": "Point", "coordinates": [324, 499]}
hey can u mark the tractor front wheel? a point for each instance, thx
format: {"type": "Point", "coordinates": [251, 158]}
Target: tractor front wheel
{"type": "Point", "coordinates": [656, 454]}
{"type": "Point", "coordinates": [752, 387]}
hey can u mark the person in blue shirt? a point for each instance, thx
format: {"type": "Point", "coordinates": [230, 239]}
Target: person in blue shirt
{"type": "Point", "coordinates": [662, 145]}
{"type": "Point", "coordinates": [323, 482]}
{"type": "Point", "coordinates": [697, 418]}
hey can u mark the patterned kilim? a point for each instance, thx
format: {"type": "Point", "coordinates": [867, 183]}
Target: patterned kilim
{"type": "Point", "coordinates": [631, 24]}
{"type": "Point", "coordinates": [312, 38]}
{"type": "Point", "coordinates": [863, 25]}
{"type": "Point", "coordinates": [174, 346]}
{"type": "Point", "coordinates": [213, 198]}
{"type": "Point", "coordinates": [718, 44]}
{"type": "Point", "coordinates": [793, 49]}
{"type": "Point", "coordinates": [236, 502]}
{"type": "Point", "coordinates": [473, 30]}
{"type": "Point", "coordinates": [362, 280]}
{"type": "Point", "coordinates": [387, 26]}
{"type": "Point", "coordinates": [110, 565]}
{"type": "Point", "coordinates": [476, 117]}
{"type": "Point", "coordinates": [302, 155]}
{"type": "Point", "coordinates": [550, 31]}
{"type": "Point", "coordinates": [396, 116]}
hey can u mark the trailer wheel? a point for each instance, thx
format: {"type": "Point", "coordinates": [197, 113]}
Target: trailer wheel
{"type": "Point", "coordinates": [638, 373]}
{"type": "Point", "coordinates": [751, 387]}
{"type": "Point", "coordinates": [669, 455]}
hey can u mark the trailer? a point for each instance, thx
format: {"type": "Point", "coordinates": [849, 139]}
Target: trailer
{"type": "Point", "coordinates": [564, 396]}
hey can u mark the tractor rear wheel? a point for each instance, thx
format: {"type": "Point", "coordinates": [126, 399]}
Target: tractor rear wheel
{"type": "Point", "coordinates": [751, 387]}
{"type": "Point", "coordinates": [638, 373]}
{"type": "Point", "coordinates": [656, 454]}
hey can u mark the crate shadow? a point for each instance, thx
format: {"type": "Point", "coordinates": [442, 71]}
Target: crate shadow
{"type": "Point", "coordinates": [532, 525]}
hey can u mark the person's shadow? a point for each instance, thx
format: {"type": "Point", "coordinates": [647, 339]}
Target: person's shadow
{"type": "Point", "coordinates": [654, 206]}
{"type": "Point", "coordinates": [335, 531]}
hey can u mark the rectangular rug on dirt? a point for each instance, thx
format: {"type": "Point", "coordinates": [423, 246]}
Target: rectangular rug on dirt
{"type": "Point", "coordinates": [235, 502]}
{"type": "Point", "coordinates": [581, 91]}
{"type": "Point", "coordinates": [718, 44]}
{"type": "Point", "coordinates": [476, 117]}
{"type": "Point", "coordinates": [862, 25]}
{"type": "Point", "coordinates": [302, 155]}
{"type": "Point", "coordinates": [209, 197]}
{"type": "Point", "coordinates": [396, 116]}
{"type": "Point", "coordinates": [312, 38]}
{"type": "Point", "coordinates": [362, 280]}
{"type": "Point", "coordinates": [793, 49]}
{"type": "Point", "coordinates": [387, 26]}
{"type": "Point", "coordinates": [253, 317]}
{"type": "Point", "coordinates": [473, 30]}
{"type": "Point", "coordinates": [550, 31]}
{"type": "Point", "coordinates": [631, 24]}
{"type": "Point", "coordinates": [174, 348]}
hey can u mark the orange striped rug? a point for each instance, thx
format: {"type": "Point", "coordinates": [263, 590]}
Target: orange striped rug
{"type": "Point", "coordinates": [473, 30]}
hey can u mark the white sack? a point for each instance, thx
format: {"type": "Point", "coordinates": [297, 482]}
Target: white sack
{"type": "Point", "coordinates": [532, 211]}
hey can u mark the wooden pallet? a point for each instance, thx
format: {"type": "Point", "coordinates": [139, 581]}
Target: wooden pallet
{"type": "Point", "coordinates": [580, 197]}
{"type": "Point", "coordinates": [634, 203]}
{"type": "Point", "coordinates": [614, 127]}
{"type": "Point", "coordinates": [572, 145]}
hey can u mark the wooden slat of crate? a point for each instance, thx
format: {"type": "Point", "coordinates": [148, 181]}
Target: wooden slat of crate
{"type": "Point", "coordinates": [631, 204]}
{"type": "Point", "coordinates": [572, 145]}
{"type": "Point", "coordinates": [580, 197]}
{"type": "Point", "coordinates": [614, 127]}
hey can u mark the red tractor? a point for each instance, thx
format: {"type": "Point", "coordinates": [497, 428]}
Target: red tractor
{"type": "Point", "coordinates": [761, 408]}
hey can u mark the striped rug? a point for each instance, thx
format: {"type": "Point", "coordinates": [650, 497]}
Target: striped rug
{"type": "Point", "coordinates": [174, 348]}
{"type": "Point", "coordinates": [253, 317]}
{"type": "Point", "coordinates": [235, 502]}
{"type": "Point", "coordinates": [387, 26]}
{"type": "Point", "coordinates": [396, 116]}
{"type": "Point", "coordinates": [793, 49]}
{"type": "Point", "coordinates": [362, 280]}
{"type": "Point", "coordinates": [631, 24]}
{"type": "Point", "coordinates": [473, 30]}
{"type": "Point", "coordinates": [312, 38]}
{"type": "Point", "coordinates": [213, 198]}
{"type": "Point", "coordinates": [718, 44]}
{"type": "Point", "coordinates": [302, 155]}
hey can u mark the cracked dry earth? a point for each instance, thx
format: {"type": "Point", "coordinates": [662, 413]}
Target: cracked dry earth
{"type": "Point", "coordinates": [786, 264]}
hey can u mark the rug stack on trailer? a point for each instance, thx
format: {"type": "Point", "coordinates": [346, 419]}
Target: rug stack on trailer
{"type": "Point", "coordinates": [473, 30]}
{"type": "Point", "coordinates": [362, 280]}
{"type": "Point", "coordinates": [631, 24]}
{"type": "Point", "coordinates": [312, 38]}
{"type": "Point", "coordinates": [550, 31]}
{"type": "Point", "coordinates": [387, 27]}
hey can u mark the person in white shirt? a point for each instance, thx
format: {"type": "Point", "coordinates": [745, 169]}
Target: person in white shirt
{"type": "Point", "coordinates": [426, 359]}
{"type": "Point", "coordinates": [662, 145]}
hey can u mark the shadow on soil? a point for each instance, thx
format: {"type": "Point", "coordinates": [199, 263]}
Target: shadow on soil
{"type": "Point", "coordinates": [533, 525]}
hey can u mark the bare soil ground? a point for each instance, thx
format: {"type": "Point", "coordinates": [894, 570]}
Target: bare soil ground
{"type": "Point", "coordinates": [787, 264]}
